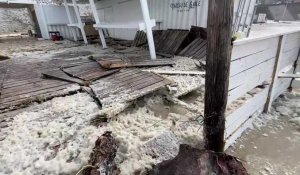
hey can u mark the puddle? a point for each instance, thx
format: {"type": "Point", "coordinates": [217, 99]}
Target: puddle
{"type": "Point", "coordinates": [192, 97]}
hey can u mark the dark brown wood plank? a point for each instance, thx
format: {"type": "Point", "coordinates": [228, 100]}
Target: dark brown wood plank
{"type": "Point", "coordinates": [21, 83]}
{"type": "Point", "coordinates": [33, 88]}
{"type": "Point", "coordinates": [92, 76]}
{"type": "Point", "coordinates": [40, 92]}
{"type": "Point", "coordinates": [194, 43]}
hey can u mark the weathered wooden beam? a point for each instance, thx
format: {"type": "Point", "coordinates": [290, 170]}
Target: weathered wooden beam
{"type": "Point", "coordinates": [275, 73]}
{"type": "Point", "coordinates": [219, 48]}
{"type": "Point", "coordinates": [289, 76]}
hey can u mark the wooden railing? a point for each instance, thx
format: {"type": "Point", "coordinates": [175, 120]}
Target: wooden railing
{"type": "Point", "coordinates": [256, 62]}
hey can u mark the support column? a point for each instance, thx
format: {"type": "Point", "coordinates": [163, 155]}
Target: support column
{"type": "Point", "coordinates": [147, 21]}
{"type": "Point", "coordinates": [45, 21]}
{"type": "Point", "coordinates": [70, 20]}
{"type": "Point", "coordinates": [97, 19]}
{"type": "Point", "coordinates": [219, 47]}
{"type": "Point", "coordinates": [79, 22]}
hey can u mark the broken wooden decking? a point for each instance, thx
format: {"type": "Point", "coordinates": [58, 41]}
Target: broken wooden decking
{"type": "Point", "coordinates": [140, 39]}
{"type": "Point", "coordinates": [127, 85]}
{"type": "Point", "coordinates": [23, 84]}
{"type": "Point", "coordinates": [195, 50]}
{"type": "Point", "coordinates": [170, 41]}
{"type": "Point", "coordinates": [89, 71]}
{"type": "Point", "coordinates": [177, 42]}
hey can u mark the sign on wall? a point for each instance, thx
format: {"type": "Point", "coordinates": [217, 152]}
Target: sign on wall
{"type": "Point", "coordinates": [185, 6]}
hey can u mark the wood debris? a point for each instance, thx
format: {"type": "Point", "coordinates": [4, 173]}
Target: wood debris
{"type": "Point", "coordinates": [133, 62]}
{"type": "Point", "coordinates": [103, 155]}
{"type": "Point", "coordinates": [193, 161]}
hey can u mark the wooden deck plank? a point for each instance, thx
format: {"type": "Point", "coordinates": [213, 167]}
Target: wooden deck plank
{"type": "Point", "coordinates": [23, 102]}
{"type": "Point", "coordinates": [121, 82]}
{"type": "Point", "coordinates": [60, 75]}
{"type": "Point", "coordinates": [22, 82]}
{"type": "Point", "coordinates": [120, 89]}
{"type": "Point", "coordinates": [33, 88]}
{"type": "Point", "coordinates": [20, 97]}
{"type": "Point", "coordinates": [130, 85]}
{"type": "Point", "coordinates": [88, 72]}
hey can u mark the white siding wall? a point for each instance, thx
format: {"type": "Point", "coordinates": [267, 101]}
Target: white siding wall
{"type": "Point", "coordinates": [166, 12]}
{"type": "Point", "coordinates": [20, 1]}
{"type": "Point", "coordinates": [55, 19]}
{"type": "Point", "coordinates": [171, 14]}
{"type": "Point", "coordinates": [120, 11]}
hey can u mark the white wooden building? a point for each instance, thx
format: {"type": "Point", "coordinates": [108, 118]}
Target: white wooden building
{"type": "Point", "coordinates": [122, 18]}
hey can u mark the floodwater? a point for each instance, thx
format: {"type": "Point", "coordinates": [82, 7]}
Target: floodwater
{"type": "Point", "coordinates": [272, 150]}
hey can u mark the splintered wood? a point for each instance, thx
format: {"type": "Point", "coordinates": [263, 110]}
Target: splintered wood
{"type": "Point", "coordinates": [127, 85]}
{"type": "Point", "coordinates": [196, 49]}
{"type": "Point", "coordinates": [170, 41]}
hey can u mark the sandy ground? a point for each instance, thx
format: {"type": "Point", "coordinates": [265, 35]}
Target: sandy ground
{"type": "Point", "coordinates": [17, 46]}
{"type": "Point", "coordinates": [272, 146]}
{"type": "Point", "coordinates": [262, 30]}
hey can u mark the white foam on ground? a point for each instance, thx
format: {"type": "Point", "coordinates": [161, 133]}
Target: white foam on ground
{"type": "Point", "coordinates": [134, 129]}
{"type": "Point", "coordinates": [52, 138]}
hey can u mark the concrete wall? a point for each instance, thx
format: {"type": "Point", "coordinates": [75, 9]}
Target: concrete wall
{"type": "Point", "coordinates": [14, 20]}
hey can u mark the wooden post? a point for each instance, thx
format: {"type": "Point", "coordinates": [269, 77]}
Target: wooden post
{"type": "Point", "coordinates": [279, 53]}
{"type": "Point", "coordinates": [97, 19]}
{"type": "Point", "coordinates": [73, 30]}
{"type": "Point", "coordinates": [219, 46]}
{"type": "Point", "coordinates": [79, 22]}
{"type": "Point", "coordinates": [147, 20]}
{"type": "Point", "coordinates": [45, 22]}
